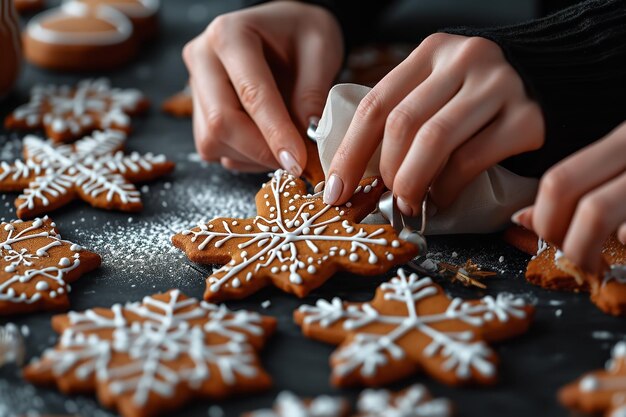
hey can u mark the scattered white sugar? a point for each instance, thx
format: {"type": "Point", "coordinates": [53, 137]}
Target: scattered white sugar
{"type": "Point", "coordinates": [215, 411]}
{"type": "Point", "coordinates": [130, 220]}
{"type": "Point", "coordinates": [556, 302]}
{"type": "Point", "coordinates": [454, 254]}
{"type": "Point", "coordinates": [25, 330]}
{"type": "Point", "coordinates": [429, 265]}
{"type": "Point", "coordinates": [602, 335]}
{"type": "Point", "coordinates": [145, 189]}
{"type": "Point", "coordinates": [266, 304]}
{"type": "Point", "coordinates": [501, 259]}
{"type": "Point", "coordinates": [558, 312]}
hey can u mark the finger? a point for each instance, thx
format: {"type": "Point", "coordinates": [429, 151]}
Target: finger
{"type": "Point", "coordinates": [221, 128]}
{"type": "Point", "coordinates": [241, 166]}
{"type": "Point", "coordinates": [524, 217]}
{"type": "Point", "coordinates": [366, 128]}
{"type": "Point", "coordinates": [407, 117]}
{"type": "Point", "coordinates": [435, 141]}
{"type": "Point", "coordinates": [621, 233]}
{"type": "Point", "coordinates": [563, 186]}
{"type": "Point", "coordinates": [313, 78]}
{"type": "Point", "coordinates": [257, 91]}
{"type": "Point", "coordinates": [597, 215]}
{"type": "Point", "coordinates": [517, 129]}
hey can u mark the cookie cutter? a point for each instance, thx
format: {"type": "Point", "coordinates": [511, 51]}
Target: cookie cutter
{"type": "Point", "coordinates": [12, 349]}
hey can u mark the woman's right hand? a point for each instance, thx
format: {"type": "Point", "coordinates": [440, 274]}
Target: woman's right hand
{"type": "Point", "coordinates": [257, 77]}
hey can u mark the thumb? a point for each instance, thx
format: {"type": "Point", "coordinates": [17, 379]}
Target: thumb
{"type": "Point", "coordinates": [316, 71]}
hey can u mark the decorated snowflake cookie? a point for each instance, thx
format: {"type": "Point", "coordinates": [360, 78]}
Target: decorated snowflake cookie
{"type": "Point", "coordinates": [37, 266]}
{"type": "Point", "coordinates": [296, 242]}
{"type": "Point", "coordinates": [93, 169]}
{"type": "Point", "coordinates": [148, 358]}
{"type": "Point", "coordinates": [289, 405]}
{"type": "Point", "coordinates": [411, 325]}
{"type": "Point", "coordinates": [68, 113]}
{"type": "Point", "coordinates": [414, 401]}
{"type": "Point", "coordinates": [602, 391]}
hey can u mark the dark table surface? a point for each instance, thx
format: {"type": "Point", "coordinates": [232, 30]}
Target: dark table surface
{"type": "Point", "coordinates": [569, 335]}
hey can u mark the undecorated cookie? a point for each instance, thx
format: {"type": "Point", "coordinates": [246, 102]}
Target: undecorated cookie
{"type": "Point", "coordinates": [37, 266]}
{"type": "Point", "coordinates": [602, 391]}
{"type": "Point", "coordinates": [77, 37]}
{"type": "Point", "coordinates": [179, 105]}
{"type": "Point", "coordinates": [296, 242]}
{"type": "Point", "coordinates": [144, 14]}
{"type": "Point", "coordinates": [150, 358]}
{"type": "Point", "coordinates": [68, 113]}
{"type": "Point", "coordinates": [93, 169]}
{"type": "Point", "coordinates": [412, 325]}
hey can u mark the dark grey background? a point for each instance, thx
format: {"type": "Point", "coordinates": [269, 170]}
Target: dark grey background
{"type": "Point", "coordinates": [139, 260]}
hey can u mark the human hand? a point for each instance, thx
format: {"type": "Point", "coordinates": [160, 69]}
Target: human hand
{"type": "Point", "coordinates": [451, 110]}
{"type": "Point", "coordinates": [581, 201]}
{"type": "Point", "coordinates": [257, 76]}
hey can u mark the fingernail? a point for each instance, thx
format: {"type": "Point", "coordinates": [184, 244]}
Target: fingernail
{"type": "Point", "coordinates": [518, 216]}
{"type": "Point", "coordinates": [334, 187]}
{"type": "Point", "coordinates": [404, 207]}
{"type": "Point", "coordinates": [289, 163]}
{"type": "Point", "coordinates": [314, 121]}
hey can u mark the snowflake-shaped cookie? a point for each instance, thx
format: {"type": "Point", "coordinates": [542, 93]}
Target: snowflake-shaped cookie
{"type": "Point", "coordinates": [289, 405]}
{"type": "Point", "coordinates": [411, 325]}
{"type": "Point", "coordinates": [148, 358]}
{"type": "Point", "coordinates": [602, 391]}
{"type": "Point", "coordinates": [414, 401]}
{"type": "Point", "coordinates": [93, 169]}
{"type": "Point", "coordinates": [296, 242]}
{"type": "Point", "coordinates": [67, 113]}
{"type": "Point", "coordinates": [36, 266]}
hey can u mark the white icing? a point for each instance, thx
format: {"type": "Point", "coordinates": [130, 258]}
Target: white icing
{"type": "Point", "coordinates": [459, 351]}
{"type": "Point", "coordinates": [415, 401]}
{"type": "Point", "coordinates": [92, 165]}
{"type": "Point", "coordinates": [92, 104]}
{"type": "Point", "coordinates": [121, 31]}
{"type": "Point", "coordinates": [616, 273]}
{"type": "Point", "coordinates": [289, 405]}
{"type": "Point", "coordinates": [138, 9]}
{"type": "Point", "coordinates": [288, 239]}
{"type": "Point", "coordinates": [24, 265]}
{"type": "Point", "coordinates": [151, 337]}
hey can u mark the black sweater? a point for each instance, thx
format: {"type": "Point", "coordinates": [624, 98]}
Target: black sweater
{"type": "Point", "coordinates": [572, 62]}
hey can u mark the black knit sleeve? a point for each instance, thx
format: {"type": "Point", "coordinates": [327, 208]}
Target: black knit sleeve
{"type": "Point", "coordinates": [574, 64]}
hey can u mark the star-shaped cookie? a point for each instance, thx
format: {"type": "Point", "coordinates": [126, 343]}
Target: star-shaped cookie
{"type": "Point", "coordinates": [37, 266]}
{"type": "Point", "coordinates": [68, 113]}
{"type": "Point", "coordinates": [411, 324]}
{"type": "Point", "coordinates": [296, 242]}
{"type": "Point", "coordinates": [93, 169]}
{"type": "Point", "coordinates": [145, 359]}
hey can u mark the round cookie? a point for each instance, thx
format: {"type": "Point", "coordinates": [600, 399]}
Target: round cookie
{"type": "Point", "coordinates": [78, 37]}
{"type": "Point", "coordinates": [28, 6]}
{"type": "Point", "coordinates": [143, 14]}
{"type": "Point", "coordinates": [10, 47]}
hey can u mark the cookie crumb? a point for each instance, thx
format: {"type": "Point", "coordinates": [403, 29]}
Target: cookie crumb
{"type": "Point", "coordinates": [558, 312]}
{"type": "Point", "coordinates": [266, 304]}
{"type": "Point", "coordinates": [501, 259]}
{"type": "Point", "coordinates": [454, 254]}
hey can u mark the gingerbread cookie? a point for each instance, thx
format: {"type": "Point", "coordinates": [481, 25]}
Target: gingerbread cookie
{"type": "Point", "coordinates": [145, 359]}
{"type": "Point", "coordinates": [78, 37]}
{"type": "Point", "coordinates": [28, 6]}
{"type": "Point", "coordinates": [550, 269]}
{"type": "Point", "coordinates": [10, 46]}
{"type": "Point", "coordinates": [179, 105]}
{"type": "Point", "coordinates": [602, 391]}
{"type": "Point", "coordinates": [313, 172]}
{"type": "Point", "coordinates": [410, 325]}
{"type": "Point", "coordinates": [296, 242]}
{"type": "Point", "coordinates": [142, 13]}
{"type": "Point", "coordinates": [414, 401]}
{"type": "Point", "coordinates": [289, 405]}
{"type": "Point", "coordinates": [523, 239]}
{"type": "Point", "coordinates": [93, 169]}
{"type": "Point", "coordinates": [37, 266]}
{"type": "Point", "coordinates": [68, 113]}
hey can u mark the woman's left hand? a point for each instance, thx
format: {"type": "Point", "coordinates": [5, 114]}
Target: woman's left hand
{"type": "Point", "coordinates": [451, 110]}
{"type": "Point", "coordinates": [582, 200]}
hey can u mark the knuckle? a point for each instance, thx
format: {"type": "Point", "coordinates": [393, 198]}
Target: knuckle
{"type": "Point", "coordinates": [434, 40]}
{"type": "Point", "coordinates": [432, 134]}
{"type": "Point", "coordinates": [398, 123]}
{"type": "Point", "coordinates": [555, 183]}
{"type": "Point", "coordinates": [250, 95]}
{"type": "Point", "coordinates": [593, 211]}
{"type": "Point", "coordinates": [214, 123]}
{"type": "Point", "coordinates": [188, 52]}
{"type": "Point", "coordinates": [218, 28]}
{"type": "Point", "coordinates": [370, 107]}
{"type": "Point", "coordinates": [312, 96]}
{"type": "Point", "coordinates": [465, 164]}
